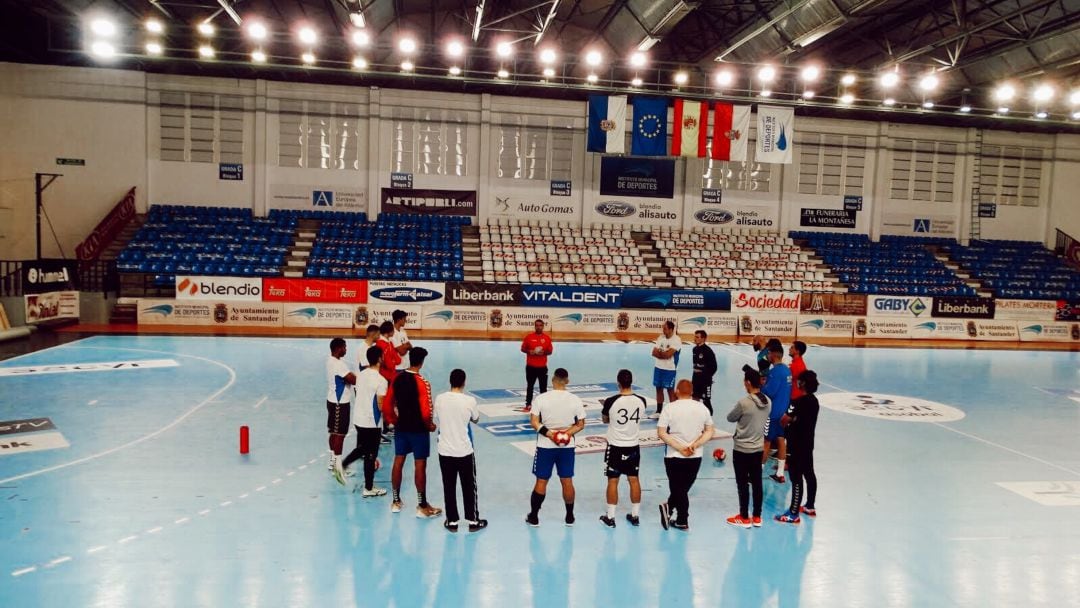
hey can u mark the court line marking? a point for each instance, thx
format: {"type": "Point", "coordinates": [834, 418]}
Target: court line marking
{"type": "Point", "coordinates": [957, 431]}
{"type": "Point", "coordinates": [23, 571]}
{"type": "Point", "coordinates": [261, 401]}
{"type": "Point", "coordinates": [92, 402]}
{"type": "Point", "coordinates": [134, 442]}
{"type": "Point", "coordinates": [58, 561]}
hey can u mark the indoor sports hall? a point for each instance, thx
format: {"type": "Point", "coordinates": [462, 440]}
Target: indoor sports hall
{"type": "Point", "coordinates": [199, 199]}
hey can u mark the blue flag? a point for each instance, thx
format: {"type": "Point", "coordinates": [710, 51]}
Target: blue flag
{"type": "Point", "coordinates": [607, 124]}
{"type": "Point", "coordinates": [650, 127]}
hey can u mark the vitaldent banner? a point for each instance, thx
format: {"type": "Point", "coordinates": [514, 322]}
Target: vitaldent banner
{"type": "Point", "coordinates": [822, 326]}
{"type": "Point", "coordinates": [246, 289]}
{"type": "Point", "coordinates": [571, 296]}
{"type": "Point", "coordinates": [280, 289]}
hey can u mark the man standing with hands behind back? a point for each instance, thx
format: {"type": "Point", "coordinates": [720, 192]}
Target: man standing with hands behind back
{"type": "Point", "coordinates": [536, 346]}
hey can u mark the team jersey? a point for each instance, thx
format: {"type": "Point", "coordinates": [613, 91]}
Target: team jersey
{"type": "Point", "coordinates": [624, 413]}
{"type": "Point", "coordinates": [370, 388]}
{"type": "Point", "coordinates": [778, 389]}
{"type": "Point", "coordinates": [557, 409]}
{"type": "Point", "coordinates": [665, 343]}
{"type": "Point", "coordinates": [396, 340]}
{"type": "Point", "coordinates": [453, 413]}
{"type": "Point", "coordinates": [407, 405]}
{"type": "Point", "coordinates": [704, 363]}
{"type": "Point", "coordinates": [798, 366]}
{"type": "Point", "coordinates": [803, 424]}
{"type": "Point", "coordinates": [390, 359]}
{"type": "Point", "coordinates": [685, 420]}
{"type": "Point", "coordinates": [533, 341]}
{"type": "Point", "coordinates": [339, 391]}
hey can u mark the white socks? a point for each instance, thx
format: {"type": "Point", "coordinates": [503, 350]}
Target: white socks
{"type": "Point", "coordinates": [779, 468]}
{"type": "Point", "coordinates": [635, 508]}
{"type": "Point", "coordinates": [611, 511]}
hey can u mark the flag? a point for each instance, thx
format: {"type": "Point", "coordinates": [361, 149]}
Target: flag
{"type": "Point", "coordinates": [775, 134]}
{"type": "Point", "coordinates": [649, 137]}
{"type": "Point", "coordinates": [731, 130]}
{"type": "Point", "coordinates": [607, 124]}
{"type": "Point", "coordinates": [689, 128]}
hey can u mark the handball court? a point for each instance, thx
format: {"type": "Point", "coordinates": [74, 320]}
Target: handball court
{"type": "Point", "coordinates": [947, 478]}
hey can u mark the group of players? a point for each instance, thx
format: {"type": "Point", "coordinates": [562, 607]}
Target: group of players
{"type": "Point", "coordinates": [389, 394]}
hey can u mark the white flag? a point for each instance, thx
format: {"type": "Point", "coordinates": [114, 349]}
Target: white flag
{"type": "Point", "coordinates": [775, 134]}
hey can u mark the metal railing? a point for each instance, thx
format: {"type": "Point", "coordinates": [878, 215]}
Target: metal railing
{"type": "Point", "coordinates": [1062, 245]}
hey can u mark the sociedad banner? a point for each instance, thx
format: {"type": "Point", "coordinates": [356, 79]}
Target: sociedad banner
{"type": "Point", "coordinates": [765, 301]}
{"type": "Point", "coordinates": [405, 292]}
{"type": "Point", "coordinates": [775, 134]}
{"type": "Point", "coordinates": [246, 289]}
{"type": "Point", "coordinates": [676, 299]}
{"type": "Point", "coordinates": [428, 202]}
{"type": "Point", "coordinates": [571, 296]}
{"type": "Point", "coordinates": [637, 177]}
{"type": "Point", "coordinates": [483, 294]}
{"type": "Point", "coordinates": [281, 289]}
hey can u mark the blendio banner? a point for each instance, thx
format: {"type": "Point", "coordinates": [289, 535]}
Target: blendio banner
{"type": "Point", "coordinates": [822, 326]}
{"type": "Point", "coordinates": [1049, 332]}
{"type": "Point", "coordinates": [247, 289]}
{"type": "Point", "coordinates": [319, 315]}
{"type": "Point", "coordinates": [713, 323]}
{"type": "Point", "coordinates": [428, 202]}
{"type": "Point", "coordinates": [51, 306]}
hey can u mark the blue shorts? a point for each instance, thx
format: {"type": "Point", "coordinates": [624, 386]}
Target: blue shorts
{"type": "Point", "coordinates": [773, 429]}
{"type": "Point", "coordinates": [417, 444]}
{"type": "Point", "coordinates": [561, 459]}
{"type": "Point", "coordinates": [663, 378]}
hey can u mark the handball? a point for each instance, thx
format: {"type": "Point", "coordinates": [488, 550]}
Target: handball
{"type": "Point", "coordinates": [719, 455]}
{"type": "Point", "coordinates": [561, 438]}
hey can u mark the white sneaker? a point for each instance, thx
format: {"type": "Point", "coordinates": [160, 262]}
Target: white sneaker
{"type": "Point", "coordinates": [374, 492]}
{"type": "Point", "coordinates": [395, 507]}
{"type": "Point", "coordinates": [339, 475]}
{"type": "Point", "coordinates": [330, 463]}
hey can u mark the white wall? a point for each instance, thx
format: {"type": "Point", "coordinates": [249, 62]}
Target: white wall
{"type": "Point", "coordinates": [1064, 211]}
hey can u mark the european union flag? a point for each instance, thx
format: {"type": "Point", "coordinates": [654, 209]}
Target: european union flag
{"type": "Point", "coordinates": [650, 127]}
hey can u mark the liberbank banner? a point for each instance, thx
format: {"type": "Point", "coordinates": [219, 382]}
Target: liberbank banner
{"type": "Point", "coordinates": [482, 294]}
{"type": "Point", "coordinates": [963, 308]}
{"type": "Point", "coordinates": [571, 296]}
{"type": "Point", "coordinates": [676, 299]}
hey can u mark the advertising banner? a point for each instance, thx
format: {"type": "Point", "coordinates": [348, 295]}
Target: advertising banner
{"type": "Point", "coordinates": [308, 197]}
{"type": "Point", "coordinates": [1025, 310]}
{"type": "Point", "coordinates": [714, 323]}
{"type": "Point", "coordinates": [823, 326]}
{"type": "Point", "coordinates": [832, 303]}
{"type": "Point", "coordinates": [735, 215]}
{"type": "Point", "coordinates": [676, 299]}
{"type": "Point", "coordinates": [942, 329]}
{"type": "Point", "coordinates": [571, 296]}
{"type": "Point", "coordinates": [963, 308]}
{"type": "Point", "coordinates": [646, 321]}
{"type": "Point", "coordinates": [469, 293]}
{"type": "Point", "coordinates": [586, 320]}
{"type": "Point", "coordinates": [246, 289]}
{"type": "Point", "coordinates": [828, 218]}
{"type": "Point", "coordinates": [455, 317]}
{"type": "Point", "coordinates": [104, 233]}
{"type": "Point", "coordinates": [918, 225]}
{"type": "Point", "coordinates": [767, 324]}
{"type": "Point", "coordinates": [428, 202]}
{"type": "Point", "coordinates": [43, 276]}
{"type": "Point", "coordinates": [899, 306]}
{"type": "Point", "coordinates": [775, 134]}
{"type": "Point", "coordinates": [765, 301]}
{"type": "Point", "coordinates": [1067, 311]}
{"type": "Point", "coordinates": [375, 313]}
{"type": "Point", "coordinates": [405, 292]}
{"type": "Point", "coordinates": [883, 327]}
{"type": "Point", "coordinates": [318, 315]}
{"type": "Point", "coordinates": [997, 331]}
{"type": "Point", "coordinates": [280, 289]}
{"type": "Point", "coordinates": [1050, 331]}
{"type": "Point", "coordinates": [515, 205]}
{"type": "Point", "coordinates": [227, 314]}
{"type": "Point", "coordinates": [520, 320]}
{"type": "Point", "coordinates": [622, 176]}
{"type": "Point", "coordinates": [52, 306]}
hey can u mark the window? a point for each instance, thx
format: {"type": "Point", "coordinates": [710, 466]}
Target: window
{"type": "Point", "coordinates": [429, 142]}
{"type": "Point", "coordinates": [201, 127]}
{"type": "Point", "coordinates": [534, 152]}
{"type": "Point", "coordinates": [747, 176]}
{"type": "Point", "coordinates": [831, 164]}
{"type": "Point", "coordinates": [923, 170]}
{"type": "Point", "coordinates": [318, 134]}
{"type": "Point", "coordinates": [1010, 175]}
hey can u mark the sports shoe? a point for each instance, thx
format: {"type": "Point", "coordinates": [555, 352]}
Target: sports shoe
{"type": "Point", "coordinates": [756, 521]}
{"type": "Point", "coordinates": [395, 507]}
{"type": "Point", "coordinates": [527, 409]}
{"type": "Point", "coordinates": [665, 515]}
{"type": "Point", "coordinates": [608, 521]}
{"type": "Point", "coordinates": [425, 511]}
{"type": "Point", "coordinates": [532, 520]}
{"type": "Point", "coordinates": [330, 463]}
{"type": "Point", "coordinates": [569, 520]}
{"type": "Point", "coordinates": [787, 518]}
{"type": "Point", "coordinates": [374, 492]}
{"type": "Point", "coordinates": [777, 478]}
{"type": "Point", "coordinates": [633, 519]}
{"type": "Point", "coordinates": [384, 439]}
{"type": "Point", "coordinates": [683, 527]}
{"type": "Point", "coordinates": [654, 416]}
{"type": "Point", "coordinates": [739, 521]}
{"type": "Point", "coordinates": [809, 512]}
{"type": "Point", "coordinates": [339, 475]}
{"type": "Point", "coordinates": [476, 526]}
{"type": "Point", "coordinates": [452, 526]}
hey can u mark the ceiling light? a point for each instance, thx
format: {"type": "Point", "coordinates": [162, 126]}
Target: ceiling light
{"type": "Point", "coordinates": [766, 73]}
{"type": "Point", "coordinates": [153, 48]}
{"type": "Point", "coordinates": [681, 78]}
{"type": "Point", "coordinates": [307, 35]}
{"type": "Point", "coordinates": [592, 78]}
{"type": "Point", "coordinates": [547, 56]}
{"type": "Point", "coordinates": [1041, 114]}
{"type": "Point", "coordinates": [361, 38]}
{"type": "Point", "coordinates": [359, 63]}
{"type": "Point", "coordinates": [810, 73]}
{"type": "Point", "coordinates": [1076, 115]}
{"type": "Point", "coordinates": [1005, 92]}
{"type": "Point", "coordinates": [357, 19]}
{"type": "Point", "coordinates": [927, 104]}
{"type": "Point", "coordinates": [965, 108]}
{"type": "Point", "coordinates": [638, 59]}
{"type": "Point", "coordinates": [1074, 98]}
{"type": "Point", "coordinates": [889, 80]}
{"type": "Point", "coordinates": [257, 31]}
{"type": "Point", "coordinates": [503, 73]}
{"type": "Point", "coordinates": [407, 45]}
{"type": "Point", "coordinates": [766, 93]}
{"type": "Point", "coordinates": [504, 49]}
{"type": "Point", "coordinates": [258, 56]}
{"type": "Point", "coordinates": [1003, 110]}
{"type": "Point", "coordinates": [103, 49]}
{"type": "Point", "coordinates": [454, 48]}
{"type": "Point", "coordinates": [636, 82]}
{"type": "Point", "coordinates": [407, 66]}
{"type": "Point", "coordinates": [928, 82]}
{"type": "Point", "coordinates": [1043, 92]}
{"type": "Point", "coordinates": [154, 26]}
{"type": "Point", "coordinates": [594, 58]}
{"type": "Point", "coordinates": [103, 27]}
{"type": "Point", "coordinates": [888, 101]}
{"type": "Point", "coordinates": [725, 78]}
{"type": "Point", "coordinates": [308, 58]}
{"type": "Point", "coordinates": [847, 99]}
{"type": "Point", "coordinates": [455, 70]}
{"type": "Point", "coordinates": [549, 72]}
{"type": "Point", "coordinates": [206, 29]}
{"type": "Point", "coordinates": [808, 94]}
{"type": "Point", "coordinates": [206, 51]}
{"type": "Point", "coordinates": [847, 80]}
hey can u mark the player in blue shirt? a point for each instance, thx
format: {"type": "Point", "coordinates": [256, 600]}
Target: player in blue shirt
{"type": "Point", "coordinates": [778, 389]}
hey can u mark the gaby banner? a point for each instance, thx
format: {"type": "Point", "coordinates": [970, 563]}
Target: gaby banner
{"type": "Point", "coordinates": [280, 289]}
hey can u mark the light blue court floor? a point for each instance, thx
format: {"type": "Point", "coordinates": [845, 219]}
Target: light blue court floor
{"type": "Point", "coordinates": [947, 478]}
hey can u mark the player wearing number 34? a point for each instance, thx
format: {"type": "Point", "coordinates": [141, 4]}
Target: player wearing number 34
{"type": "Point", "coordinates": [623, 413]}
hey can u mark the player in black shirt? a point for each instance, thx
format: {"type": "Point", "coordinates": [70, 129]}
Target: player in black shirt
{"type": "Point", "coordinates": [800, 423]}
{"type": "Point", "coordinates": [704, 369]}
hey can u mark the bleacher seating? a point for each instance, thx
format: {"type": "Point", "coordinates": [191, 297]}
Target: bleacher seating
{"type": "Point", "coordinates": [897, 265]}
{"type": "Point", "coordinates": [735, 259]}
{"type": "Point", "coordinates": [1017, 269]}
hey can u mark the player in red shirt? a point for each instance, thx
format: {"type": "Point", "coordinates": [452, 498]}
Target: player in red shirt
{"type": "Point", "coordinates": [798, 366]}
{"type": "Point", "coordinates": [536, 346]}
{"type": "Point", "coordinates": [390, 357]}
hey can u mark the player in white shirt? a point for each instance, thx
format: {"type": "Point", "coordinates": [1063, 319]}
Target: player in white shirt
{"type": "Point", "coordinates": [556, 415]}
{"type": "Point", "coordinates": [340, 381]}
{"type": "Point", "coordinates": [665, 351]}
{"type": "Point", "coordinates": [400, 339]}
{"type": "Point", "coordinates": [685, 426]}
{"type": "Point", "coordinates": [454, 412]}
{"type": "Point", "coordinates": [623, 413]}
{"type": "Point", "coordinates": [366, 415]}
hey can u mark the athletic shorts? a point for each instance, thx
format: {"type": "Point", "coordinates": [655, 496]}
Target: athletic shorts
{"type": "Point", "coordinates": [417, 444]}
{"type": "Point", "coordinates": [561, 459]}
{"type": "Point", "coordinates": [622, 460]}
{"type": "Point", "coordinates": [773, 429]}
{"type": "Point", "coordinates": [337, 418]}
{"type": "Point", "coordinates": [663, 378]}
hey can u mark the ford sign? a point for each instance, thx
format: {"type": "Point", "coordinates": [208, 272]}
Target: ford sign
{"type": "Point", "coordinates": [714, 216]}
{"type": "Point", "coordinates": [405, 294]}
{"type": "Point", "coordinates": [616, 209]}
